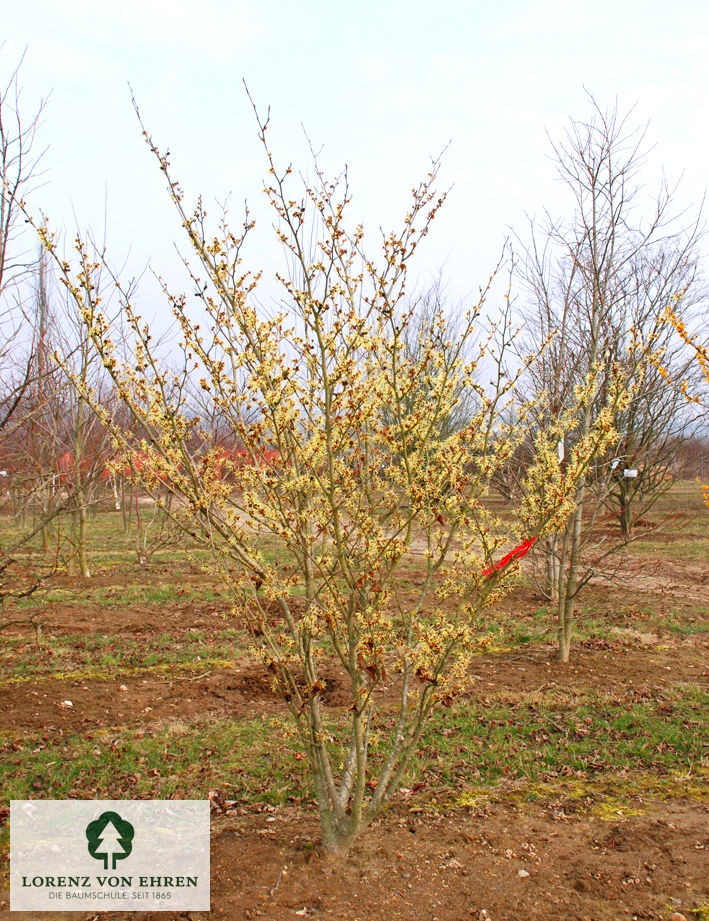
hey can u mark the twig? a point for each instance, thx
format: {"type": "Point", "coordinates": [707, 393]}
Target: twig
{"type": "Point", "coordinates": [272, 890]}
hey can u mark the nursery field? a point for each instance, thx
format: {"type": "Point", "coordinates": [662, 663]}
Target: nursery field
{"type": "Point", "coordinates": [548, 791]}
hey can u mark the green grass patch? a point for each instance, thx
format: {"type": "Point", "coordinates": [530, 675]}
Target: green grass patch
{"type": "Point", "coordinates": [690, 548]}
{"type": "Point", "coordinates": [145, 592]}
{"type": "Point", "coordinates": [98, 654]}
{"type": "Point", "coordinates": [479, 745]}
{"type": "Point", "coordinates": [249, 760]}
{"type": "Point", "coordinates": [682, 625]}
{"type": "Point", "coordinates": [540, 736]}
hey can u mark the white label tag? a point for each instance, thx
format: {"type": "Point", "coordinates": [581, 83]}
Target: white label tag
{"type": "Point", "coordinates": [109, 855]}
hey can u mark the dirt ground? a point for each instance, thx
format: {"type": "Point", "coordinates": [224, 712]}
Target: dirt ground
{"type": "Point", "coordinates": [505, 861]}
{"type": "Point", "coordinates": [68, 704]}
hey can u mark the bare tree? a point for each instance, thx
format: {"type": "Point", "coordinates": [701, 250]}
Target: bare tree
{"type": "Point", "coordinates": [659, 419]}
{"type": "Point", "coordinates": [19, 346]}
{"type": "Point", "coordinates": [597, 285]}
{"type": "Point", "coordinates": [432, 323]}
{"type": "Point", "coordinates": [18, 170]}
{"type": "Point", "coordinates": [85, 444]}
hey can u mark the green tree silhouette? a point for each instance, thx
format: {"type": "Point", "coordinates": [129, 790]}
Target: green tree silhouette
{"type": "Point", "coordinates": [110, 837]}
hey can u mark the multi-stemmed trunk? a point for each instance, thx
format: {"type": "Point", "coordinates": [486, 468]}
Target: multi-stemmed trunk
{"type": "Point", "coordinates": [343, 806]}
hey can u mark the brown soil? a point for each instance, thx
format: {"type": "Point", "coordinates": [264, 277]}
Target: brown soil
{"type": "Point", "coordinates": [129, 620]}
{"type": "Point", "coordinates": [417, 862]}
{"type": "Point", "coordinates": [461, 865]}
{"type": "Point", "coordinates": [69, 704]}
{"type": "Point", "coordinates": [676, 580]}
{"type": "Point", "coordinates": [74, 705]}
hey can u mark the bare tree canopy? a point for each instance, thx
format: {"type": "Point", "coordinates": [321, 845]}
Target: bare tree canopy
{"type": "Point", "coordinates": [596, 286]}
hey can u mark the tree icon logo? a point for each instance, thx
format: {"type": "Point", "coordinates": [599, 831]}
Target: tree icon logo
{"type": "Point", "coordinates": [110, 839]}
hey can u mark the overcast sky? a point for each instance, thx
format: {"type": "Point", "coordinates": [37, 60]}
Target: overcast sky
{"type": "Point", "coordinates": [381, 85]}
